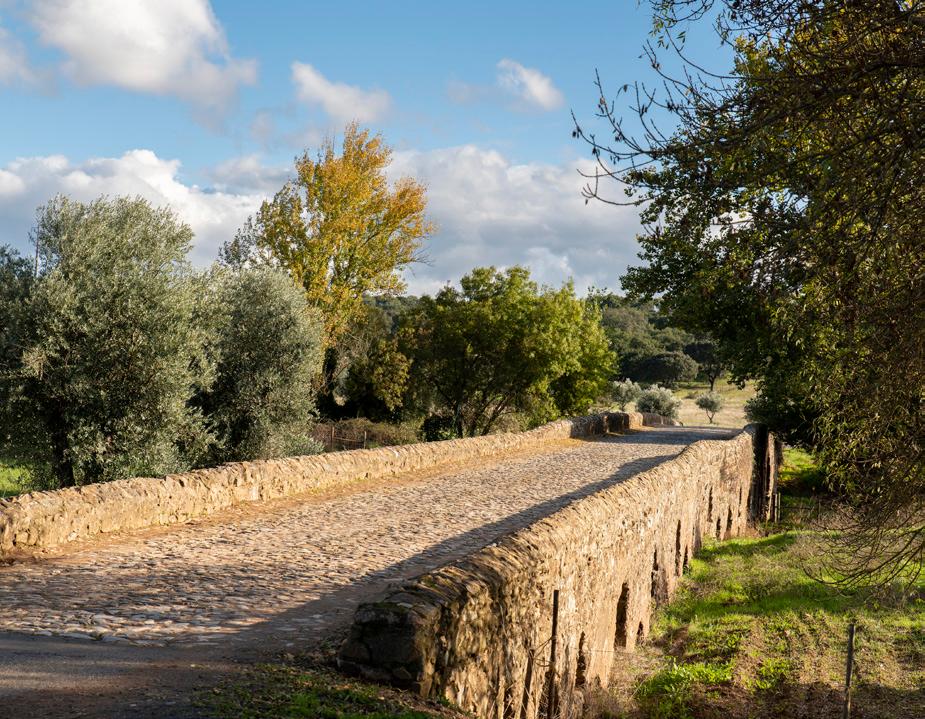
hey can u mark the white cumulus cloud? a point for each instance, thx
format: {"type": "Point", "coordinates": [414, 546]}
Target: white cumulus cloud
{"type": "Point", "coordinates": [340, 101]}
{"type": "Point", "coordinates": [530, 86]}
{"type": "Point", "coordinates": [167, 47]}
{"type": "Point", "coordinates": [27, 183]}
{"type": "Point", "coordinates": [248, 174]}
{"type": "Point", "coordinates": [491, 211]}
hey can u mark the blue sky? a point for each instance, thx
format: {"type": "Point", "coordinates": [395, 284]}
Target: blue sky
{"type": "Point", "coordinates": [203, 106]}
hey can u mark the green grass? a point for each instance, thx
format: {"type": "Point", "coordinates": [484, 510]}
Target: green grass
{"type": "Point", "coordinates": [13, 480]}
{"type": "Point", "coordinates": [290, 692]}
{"type": "Point", "coordinates": [667, 694]}
{"type": "Point", "coordinates": [805, 496]}
{"type": "Point", "coordinates": [800, 475]}
{"type": "Point", "coordinates": [749, 634]}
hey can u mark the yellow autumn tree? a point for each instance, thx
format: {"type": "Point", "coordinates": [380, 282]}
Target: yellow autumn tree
{"type": "Point", "coordinates": [341, 229]}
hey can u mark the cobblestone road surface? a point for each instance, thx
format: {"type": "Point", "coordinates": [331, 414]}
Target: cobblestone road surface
{"type": "Point", "coordinates": [295, 570]}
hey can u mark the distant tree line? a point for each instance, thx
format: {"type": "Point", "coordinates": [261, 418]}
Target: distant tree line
{"type": "Point", "coordinates": [650, 349]}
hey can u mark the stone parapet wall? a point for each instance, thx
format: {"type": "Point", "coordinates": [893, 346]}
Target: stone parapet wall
{"type": "Point", "coordinates": [478, 632]}
{"type": "Point", "coordinates": [650, 419]}
{"type": "Point", "coordinates": [44, 520]}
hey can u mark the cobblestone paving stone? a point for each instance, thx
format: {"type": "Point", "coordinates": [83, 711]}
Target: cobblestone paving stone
{"type": "Point", "coordinates": [299, 568]}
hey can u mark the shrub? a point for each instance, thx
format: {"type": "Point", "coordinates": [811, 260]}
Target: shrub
{"type": "Point", "coordinates": [437, 427]}
{"type": "Point", "coordinates": [622, 393]}
{"type": "Point", "coordinates": [711, 403]}
{"type": "Point", "coordinates": [658, 400]}
{"type": "Point", "coordinates": [360, 432]}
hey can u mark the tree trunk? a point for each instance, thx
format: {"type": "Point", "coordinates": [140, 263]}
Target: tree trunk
{"type": "Point", "coordinates": [62, 467]}
{"type": "Point", "coordinates": [327, 405]}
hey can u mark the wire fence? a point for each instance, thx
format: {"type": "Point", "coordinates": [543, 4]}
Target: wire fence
{"type": "Point", "coordinates": [336, 442]}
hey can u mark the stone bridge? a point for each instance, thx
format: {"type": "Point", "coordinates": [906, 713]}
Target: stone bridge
{"type": "Point", "coordinates": [127, 623]}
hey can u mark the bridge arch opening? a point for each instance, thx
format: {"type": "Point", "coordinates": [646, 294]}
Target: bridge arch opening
{"type": "Point", "coordinates": [677, 550]}
{"type": "Point", "coordinates": [581, 666]}
{"type": "Point", "coordinates": [659, 590]}
{"type": "Point", "coordinates": [620, 637]}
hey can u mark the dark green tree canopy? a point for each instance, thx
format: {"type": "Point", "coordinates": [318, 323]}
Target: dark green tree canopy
{"type": "Point", "coordinates": [664, 368]}
{"type": "Point", "coordinates": [501, 345]}
{"type": "Point", "coordinates": [784, 217]}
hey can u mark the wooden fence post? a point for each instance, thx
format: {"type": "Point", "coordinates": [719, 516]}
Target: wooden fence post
{"type": "Point", "coordinates": [846, 713]}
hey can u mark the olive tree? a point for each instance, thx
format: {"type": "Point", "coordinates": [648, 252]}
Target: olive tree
{"type": "Point", "coordinates": [711, 403]}
{"type": "Point", "coordinates": [264, 348]}
{"type": "Point", "coordinates": [623, 392]}
{"type": "Point", "coordinates": [101, 361]}
{"type": "Point", "coordinates": [658, 400]}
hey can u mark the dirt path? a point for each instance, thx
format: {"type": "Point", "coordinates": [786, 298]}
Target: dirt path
{"type": "Point", "coordinates": [128, 617]}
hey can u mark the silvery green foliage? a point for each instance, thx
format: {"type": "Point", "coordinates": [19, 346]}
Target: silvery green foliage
{"type": "Point", "coordinates": [623, 392]}
{"type": "Point", "coordinates": [264, 349]}
{"type": "Point", "coordinates": [658, 400]}
{"type": "Point", "coordinates": [107, 346]}
{"type": "Point", "coordinates": [711, 403]}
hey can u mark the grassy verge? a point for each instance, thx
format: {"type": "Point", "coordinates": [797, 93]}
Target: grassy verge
{"type": "Point", "coordinates": [287, 692]}
{"type": "Point", "coordinates": [751, 636]}
{"type": "Point", "coordinates": [800, 476]}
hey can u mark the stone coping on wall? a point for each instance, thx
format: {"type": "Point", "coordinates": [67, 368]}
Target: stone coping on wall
{"type": "Point", "coordinates": [37, 521]}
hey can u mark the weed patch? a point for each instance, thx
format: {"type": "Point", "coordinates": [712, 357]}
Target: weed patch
{"type": "Point", "coordinates": [750, 635]}
{"type": "Point", "coordinates": [13, 480]}
{"type": "Point", "coordinates": [667, 694]}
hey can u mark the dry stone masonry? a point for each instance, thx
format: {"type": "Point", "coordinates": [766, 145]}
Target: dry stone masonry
{"type": "Point", "coordinates": [290, 573]}
{"type": "Point", "coordinates": [479, 631]}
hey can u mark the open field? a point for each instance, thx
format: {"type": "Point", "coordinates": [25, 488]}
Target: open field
{"type": "Point", "coordinates": [732, 415]}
